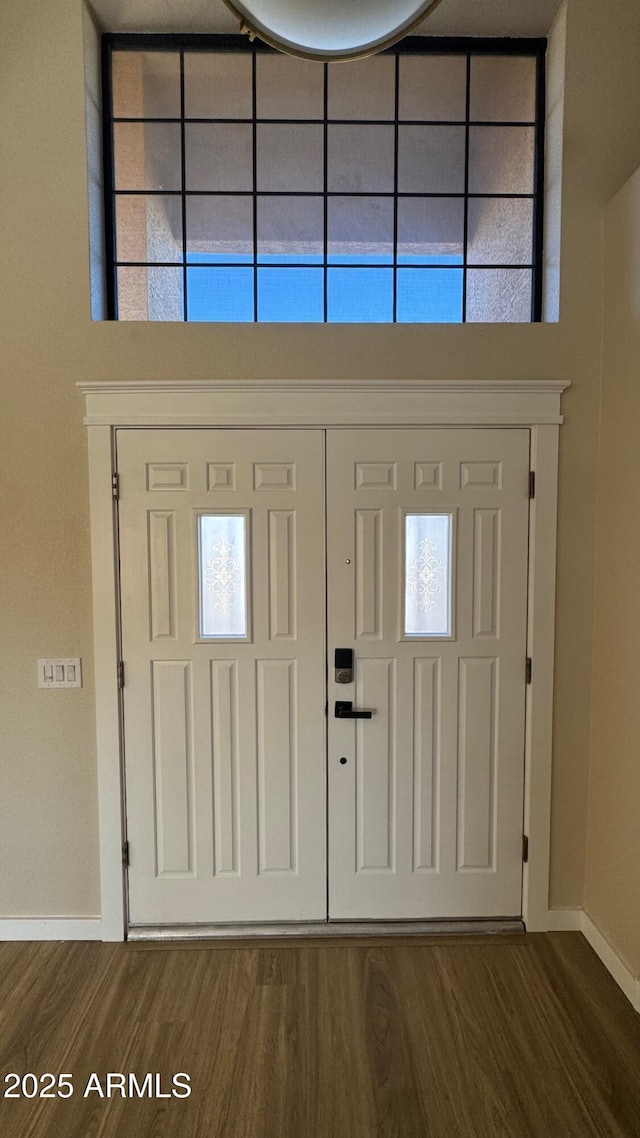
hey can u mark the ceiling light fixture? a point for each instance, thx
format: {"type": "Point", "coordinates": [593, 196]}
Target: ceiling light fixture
{"type": "Point", "coordinates": [330, 29]}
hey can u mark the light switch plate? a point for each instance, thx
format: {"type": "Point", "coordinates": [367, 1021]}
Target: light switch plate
{"type": "Point", "coordinates": [58, 672]}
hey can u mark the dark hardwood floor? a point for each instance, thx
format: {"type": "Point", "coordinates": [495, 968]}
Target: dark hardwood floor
{"type": "Point", "coordinates": [512, 1037]}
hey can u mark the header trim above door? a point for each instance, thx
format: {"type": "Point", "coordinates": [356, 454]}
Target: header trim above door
{"type": "Point", "coordinates": [522, 403]}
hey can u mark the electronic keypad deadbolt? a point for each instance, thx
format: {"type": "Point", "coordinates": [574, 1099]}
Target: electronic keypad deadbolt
{"type": "Point", "coordinates": [343, 663]}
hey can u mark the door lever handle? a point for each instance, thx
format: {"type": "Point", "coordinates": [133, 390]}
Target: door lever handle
{"type": "Point", "coordinates": [346, 710]}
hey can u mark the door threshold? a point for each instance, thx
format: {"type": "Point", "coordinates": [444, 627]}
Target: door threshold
{"type": "Point", "coordinates": [459, 927]}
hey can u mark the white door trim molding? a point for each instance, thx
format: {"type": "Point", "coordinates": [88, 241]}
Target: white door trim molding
{"type": "Point", "coordinates": [498, 403]}
{"type": "Point", "coordinates": [531, 403]}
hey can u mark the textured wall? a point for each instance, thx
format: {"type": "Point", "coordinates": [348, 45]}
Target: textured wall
{"type": "Point", "coordinates": [612, 894]}
{"type": "Point", "coordinates": [48, 829]}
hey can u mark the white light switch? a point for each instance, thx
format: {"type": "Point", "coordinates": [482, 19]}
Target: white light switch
{"type": "Point", "coordinates": [60, 673]}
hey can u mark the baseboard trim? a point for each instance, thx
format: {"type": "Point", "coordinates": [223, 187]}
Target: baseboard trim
{"type": "Point", "coordinates": [564, 921]}
{"type": "Point", "coordinates": [625, 980]}
{"type": "Point", "coordinates": [51, 928]}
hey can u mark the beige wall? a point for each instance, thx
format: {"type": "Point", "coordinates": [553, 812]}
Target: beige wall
{"type": "Point", "coordinates": [612, 894]}
{"type": "Point", "coordinates": [48, 829]}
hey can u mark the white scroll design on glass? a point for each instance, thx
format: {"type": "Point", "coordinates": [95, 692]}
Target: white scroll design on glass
{"type": "Point", "coordinates": [427, 586]}
{"type": "Point", "coordinates": [223, 571]}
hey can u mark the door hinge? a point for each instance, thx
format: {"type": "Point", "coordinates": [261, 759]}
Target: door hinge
{"type": "Point", "coordinates": [525, 847]}
{"type": "Point", "coordinates": [532, 484]}
{"type": "Point", "coordinates": [120, 673]}
{"type": "Point", "coordinates": [529, 669]}
{"type": "Point", "coordinates": [115, 487]}
{"type": "Point", "coordinates": [125, 854]}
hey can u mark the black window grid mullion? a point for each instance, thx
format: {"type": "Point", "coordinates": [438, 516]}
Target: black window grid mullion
{"type": "Point", "coordinates": [465, 234]}
{"type": "Point", "coordinates": [240, 44]}
{"type": "Point", "coordinates": [538, 207]}
{"type": "Point", "coordinates": [334, 122]}
{"type": "Point", "coordinates": [396, 135]}
{"type": "Point", "coordinates": [314, 265]}
{"type": "Point", "coordinates": [325, 199]}
{"type": "Point", "coordinates": [108, 153]}
{"type": "Point", "coordinates": [254, 103]}
{"type": "Point", "coordinates": [314, 194]}
{"type": "Point", "coordinates": [183, 179]}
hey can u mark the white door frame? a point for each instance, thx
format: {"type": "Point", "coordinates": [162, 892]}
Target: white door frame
{"type": "Point", "coordinates": [531, 403]}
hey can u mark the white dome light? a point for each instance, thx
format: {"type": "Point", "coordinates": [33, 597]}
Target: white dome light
{"type": "Point", "coordinates": [330, 29]}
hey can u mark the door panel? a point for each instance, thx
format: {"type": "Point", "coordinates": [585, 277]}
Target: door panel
{"type": "Point", "coordinates": [224, 735]}
{"type": "Point", "coordinates": [425, 816]}
{"type": "Point", "coordinates": [223, 617]}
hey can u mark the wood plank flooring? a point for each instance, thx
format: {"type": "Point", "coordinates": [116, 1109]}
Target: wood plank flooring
{"type": "Point", "coordinates": [509, 1037]}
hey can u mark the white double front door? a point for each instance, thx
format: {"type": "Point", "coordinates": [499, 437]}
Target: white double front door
{"type": "Point", "coordinates": [247, 558]}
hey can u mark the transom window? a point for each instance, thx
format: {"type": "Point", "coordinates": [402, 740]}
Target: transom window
{"type": "Point", "coordinates": [245, 185]}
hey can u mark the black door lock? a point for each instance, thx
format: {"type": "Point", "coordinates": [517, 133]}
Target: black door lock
{"type": "Point", "coordinates": [343, 664]}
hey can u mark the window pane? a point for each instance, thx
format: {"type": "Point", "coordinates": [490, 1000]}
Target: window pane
{"type": "Point", "coordinates": [219, 156]}
{"type": "Point", "coordinates": [219, 228]}
{"type": "Point", "coordinates": [360, 159]}
{"type": "Point", "coordinates": [217, 85]}
{"type": "Point", "coordinates": [290, 295]}
{"type": "Point", "coordinates": [146, 156]}
{"type": "Point", "coordinates": [146, 84]}
{"type": "Point", "coordinates": [499, 296]}
{"type": "Point", "coordinates": [360, 296]}
{"type": "Point", "coordinates": [427, 593]}
{"type": "Point", "coordinates": [360, 229]}
{"type": "Point", "coordinates": [288, 88]}
{"type": "Point", "coordinates": [223, 571]}
{"type": "Point", "coordinates": [503, 88]}
{"type": "Point", "coordinates": [501, 159]}
{"type": "Point", "coordinates": [429, 296]}
{"type": "Point", "coordinates": [500, 231]}
{"type": "Point", "coordinates": [431, 159]}
{"type": "Point", "coordinates": [430, 230]}
{"type": "Point", "coordinates": [290, 158]}
{"type": "Point", "coordinates": [363, 89]}
{"type": "Point", "coordinates": [220, 294]}
{"type": "Point", "coordinates": [433, 87]}
{"type": "Point", "coordinates": [291, 229]}
{"type": "Point", "coordinates": [150, 294]}
{"type": "Point", "coordinates": [148, 228]}
{"type": "Point", "coordinates": [335, 198]}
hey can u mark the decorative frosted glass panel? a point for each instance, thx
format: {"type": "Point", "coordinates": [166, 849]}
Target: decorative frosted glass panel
{"type": "Point", "coordinates": [427, 588]}
{"type": "Point", "coordinates": [223, 576]}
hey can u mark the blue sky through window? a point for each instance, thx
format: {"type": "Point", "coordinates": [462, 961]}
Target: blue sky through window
{"type": "Point", "coordinates": [291, 288]}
